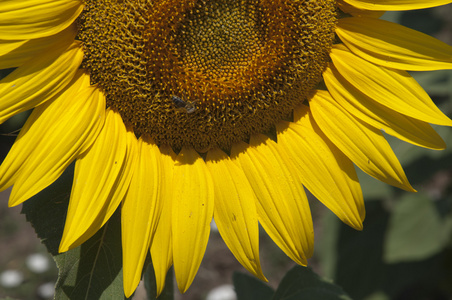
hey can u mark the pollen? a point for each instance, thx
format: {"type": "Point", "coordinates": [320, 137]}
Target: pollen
{"type": "Point", "coordinates": [206, 73]}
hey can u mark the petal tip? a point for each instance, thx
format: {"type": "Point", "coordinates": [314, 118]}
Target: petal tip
{"type": "Point", "coordinates": [406, 186]}
{"type": "Point", "coordinates": [63, 247]}
{"type": "Point", "coordinates": [359, 226]}
{"type": "Point", "coordinates": [131, 281]}
{"type": "Point", "coordinates": [183, 286]}
{"type": "Point", "coordinates": [259, 274]}
{"type": "Point", "coordinates": [128, 291]}
{"type": "Point", "coordinates": [355, 223]}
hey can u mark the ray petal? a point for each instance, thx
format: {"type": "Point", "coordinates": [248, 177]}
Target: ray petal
{"type": "Point", "coordinates": [408, 129]}
{"type": "Point", "coordinates": [54, 134]}
{"type": "Point", "coordinates": [140, 213]}
{"type": "Point", "coordinates": [101, 179]}
{"type": "Point", "coordinates": [324, 170]}
{"type": "Point", "coordinates": [16, 53]}
{"type": "Point", "coordinates": [393, 45]}
{"type": "Point", "coordinates": [347, 8]}
{"type": "Point", "coordinates": [43, 18]}
{"type": "Point", "coordinates": [282, 205]}
{"type": "Point", "coordinates": [162, 245]}
{"type": "Point", "coordinates": [193, 204]}
{"type": "Point", "coordinates": [365, 146]}
{"type": "Point", "coordinates": [395, 89]}
{"type": "Point", "coordinates": [38, 80]}
{"type": "Point", "coordinates": [23, 147]}
{"type": "Point", "coordinates": [235, 210]}
{"type": "Point", "coordinates": [395, 4]}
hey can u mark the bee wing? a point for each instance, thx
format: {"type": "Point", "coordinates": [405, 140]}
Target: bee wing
{"type": "Point", "coordinates": [178, 102]}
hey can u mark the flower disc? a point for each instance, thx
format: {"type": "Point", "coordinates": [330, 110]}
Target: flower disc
{"type": "Point", "coordinates": [206, 73]}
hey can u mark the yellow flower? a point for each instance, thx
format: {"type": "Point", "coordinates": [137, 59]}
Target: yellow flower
{"type": "Point", "coordinates": [184, 111]}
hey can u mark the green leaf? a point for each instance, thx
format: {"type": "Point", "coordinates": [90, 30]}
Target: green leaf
{"type": "Point", "coordinates": [149, 282]}
{"type": "Point", "coordinates": [250, 288]}
{"type": "Point", "coordinates": [151, 286]}
{"type": "Point", "coordinates": [91, 271]}
{"type": "Point", "coordinates": [47, 211]}
{"type": "Point", "coordinates": [415, 230]}
{"type": "Point", "coordinates": [303, 283]}
{"type": "Point", "coordinates": [372, 188]}
{"type": "Point", "coordinates": [378, 296]}
{"type": "Point", "coordinates": [423, 20]}
{"type": "Point", "coordinates": [361, 271]}
{"type": "Point", "coordinates": [422, 164]}
{"type": "Point", "coordinates": [436, 83]}
{"type": "Point", "coordinates": [326, 245]}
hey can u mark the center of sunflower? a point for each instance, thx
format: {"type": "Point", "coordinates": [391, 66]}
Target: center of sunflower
{"type": "Point", "coordinates": [206, 73]}
{"type": "Point", "coordinates": [219, 40]}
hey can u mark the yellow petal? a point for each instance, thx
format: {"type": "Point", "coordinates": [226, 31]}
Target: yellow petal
{"type": "Point", "coordinates": [395, 89]}
{"type": "Point", "coordinates": [282, 204]}
{"type": "Point", "coordinates": [140, 213]}
{"type": "Point", "coordinates": [359, 105]}
{"type": "Point", "coordinates": [324, 170]}
{"type": "Point", "coordinates": [31, 19]}
{"type": "Point", "coordinates": [16, 53]}
{"type": "Point", "coordinates": [347, 8]}
{"type": "Point", "coordinates": [395, 4]}
{"type": "Point", "coordinates": [193, 204]}
{"type": "Point", "coordinates": [23, 146]}
{"type": "Point", "coordinates": [235, 210]}
{"type": "Point", "coordinates": [38, 80]}
{"type": "Point", "coordinates": [365, 146]}
{"type": "Point", "coordinates": [55, 133]}
{"type": "Point", "coordinates": [162, 245]}
{"type": "Point", "coordinates": [393, 45]}
{"type": "Point", "coordinates": [101, 179]}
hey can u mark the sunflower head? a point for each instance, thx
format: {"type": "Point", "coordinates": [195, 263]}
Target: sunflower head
{"type": "Point", "coordinates": [206, 73]}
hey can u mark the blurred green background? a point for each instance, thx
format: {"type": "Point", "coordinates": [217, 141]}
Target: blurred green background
{"type": "Point", "coordinates": [403, 253]}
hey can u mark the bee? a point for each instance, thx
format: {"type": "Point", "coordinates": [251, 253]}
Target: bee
{"type": "Point", "coordinates": [185, 106]}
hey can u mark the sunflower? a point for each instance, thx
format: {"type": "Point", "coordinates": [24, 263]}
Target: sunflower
{"type": "Point", "coordinates": [183, 111]}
